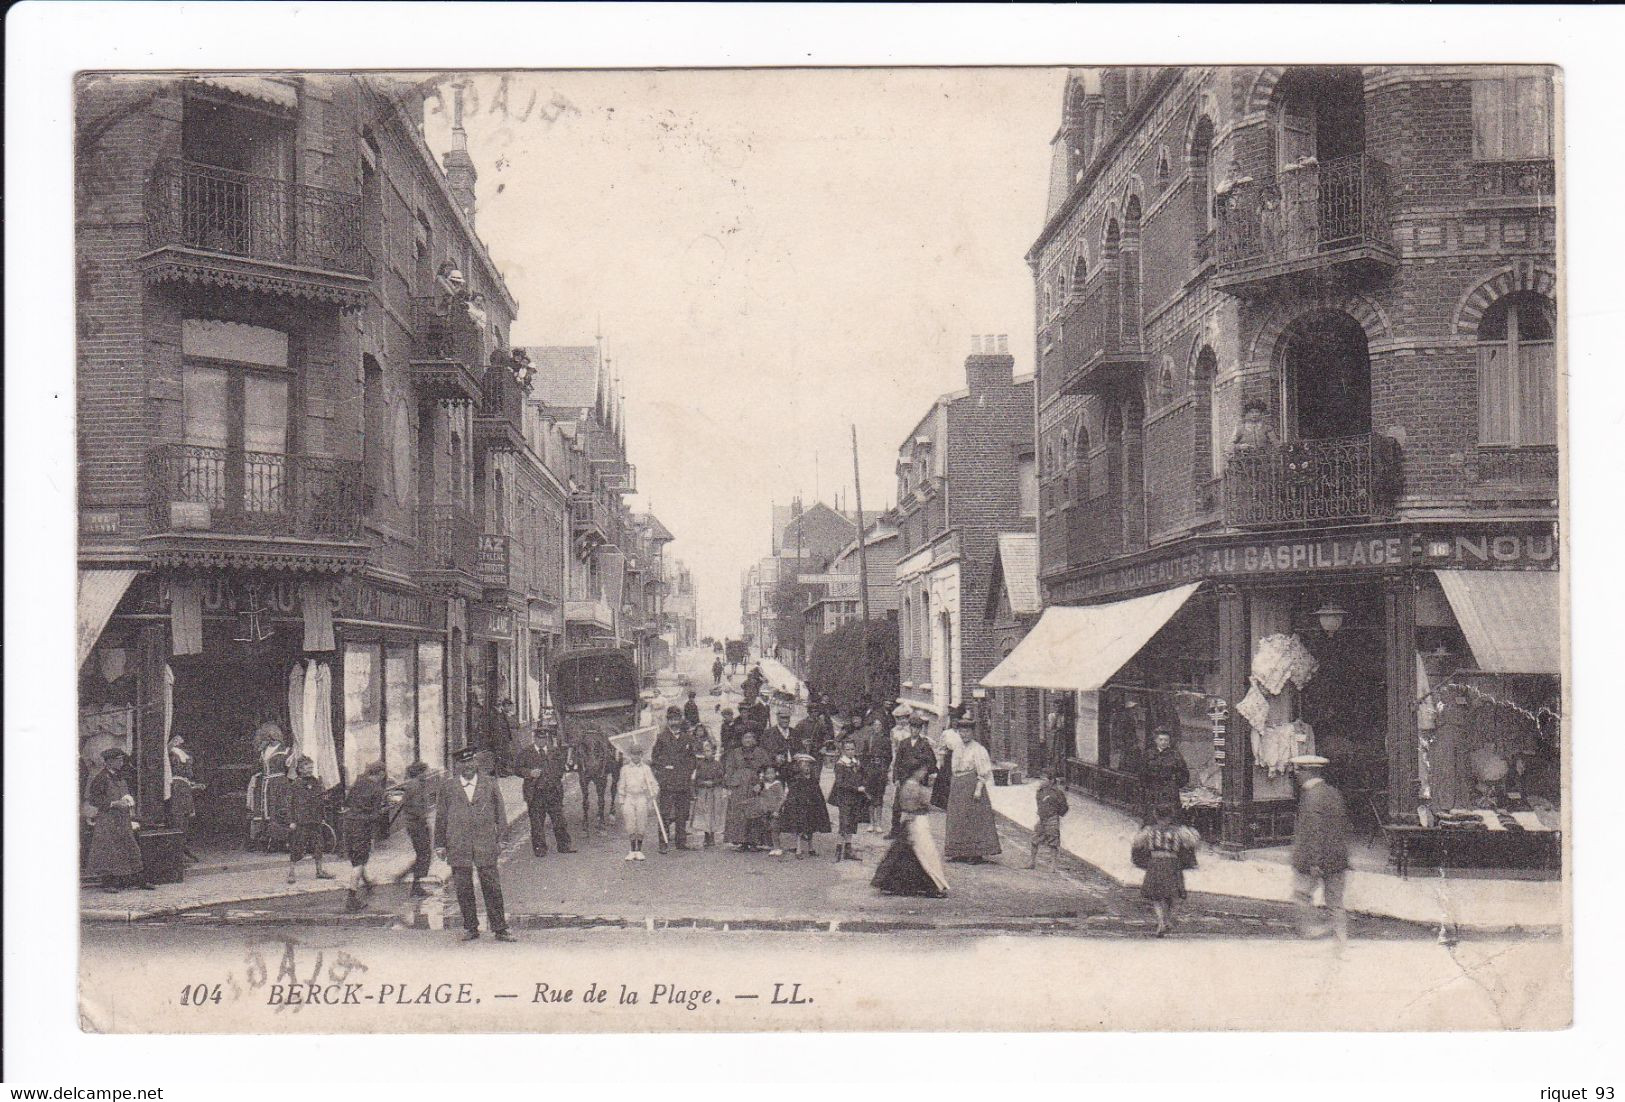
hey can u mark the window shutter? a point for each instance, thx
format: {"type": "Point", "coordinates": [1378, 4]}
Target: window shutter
{"type": "Point", "coordinates": [1537, 393]}
{"type": "Point", "coordinates": [1494, 395]}
{"type": "Point", "coordinates": [1488, 105]}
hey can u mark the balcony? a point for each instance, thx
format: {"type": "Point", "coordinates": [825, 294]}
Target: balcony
{"type": "Point", "coordinates": [1312, 220]}
{"type": "Point", "coordinates": [501, 421]}
{"type": "Point", "coordinates": [219, 227]}
{"type": "Point", "coordinates": [491, 560]}
{"type": "Point", "coordinates": [594, 613]}
{"type": "Point", "coordinates": [1495, 181]}
{"type": "Point", "coordinates": [1350, 478]}
{"type": "Point", "coordinates": [448, 548]}
{"type": "Point", "coordinates": [450, 352]}
{"type": "Point", "coordinates": [1101, 349]}
{"type": "Point", "coordinates": [590, 520]}
{"type": "Point", "coordinates": [616, 475]}
{"type": "Point", "coordinates": [226, 506]}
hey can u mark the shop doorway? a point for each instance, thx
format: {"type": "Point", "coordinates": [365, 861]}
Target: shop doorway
{"type": "Point", "coordinates": [1325, 378]}
{"type": "Point", "coordinates": [218, 705]}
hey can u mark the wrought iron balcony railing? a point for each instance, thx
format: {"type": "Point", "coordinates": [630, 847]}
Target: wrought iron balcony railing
{"type": "Point", "coordinates": [1102, 346]}
{"type": "Point", "coordinates": [223, 490]}
{"type": "Point", "coordinates": [1311, 481]}
{"type": "Point", "coordinates": [447, 538]}
{"type": "Point", "coordinates": [1305, 216]}
{"type": "Point", "coordinates": [254, 217]}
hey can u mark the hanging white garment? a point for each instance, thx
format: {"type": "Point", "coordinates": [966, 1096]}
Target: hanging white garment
{"type": "Point", "coordinates": [319, 723]}
{"type": "Point", "coordinates": [169, 723]}
{"type": "Point", "coordinates": [296, 708]}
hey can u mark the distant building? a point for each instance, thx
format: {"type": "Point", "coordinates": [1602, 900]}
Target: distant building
{"type": "Point", "coordinates": [964, 474]}
{"type": "Point", "coordinates": [1015, 716]}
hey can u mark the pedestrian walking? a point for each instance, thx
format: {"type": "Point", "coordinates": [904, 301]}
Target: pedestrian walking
{"type": "Point", "coordinates": [716, 675]}
{"type": "Point", "coordinates": [709, 816]}
{"type": "Point", "coordinates": [691, 710]}
{"type": "Point", "coordinates": [638, 793]}
{"type": "Point", "coordinates": [470, 827]}
{"type": "Point", "coordinates": [913, 752]}
{"type": "Point", "coordinates": [305, 812]}
{"type": "Point", "coordinates": [913, 865]}
{"type": "Point", "coordinates": [971, 834]}
{"type": "Point", "coordinates": [364, 807]}
{"type": "Point", "coordinates": [850, 799]}
{"type": "Point", "coordinates": [183, 789]}
{"type": "Point", "coordinates": [804, 814]}
{"type": "Point", "coordinates": [1052, 805]}
{"type": "Point", "coordinates": [1320, 850]}
{"type": "Point", "coordinates": [115, 851]}
{"type": "Point", "coordinates": [741, 773]}
{"type": "Point", "coordinates": [673, 760]}
{"type": "Point", "coordinates": [1163, 775]}
{"type": "Point", "coordinates": [413, 813]}
{"type": "Point", "coordinates": [542, 766]}
{"type": "Point", "coordinates": [1164, 850]}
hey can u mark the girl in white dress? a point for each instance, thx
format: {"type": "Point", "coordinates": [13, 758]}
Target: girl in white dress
{"type": "Point", "coordinates": [638, 792]}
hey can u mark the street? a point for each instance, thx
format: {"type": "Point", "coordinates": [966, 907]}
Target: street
{"type": "Point", "coordinates": [721, 886]}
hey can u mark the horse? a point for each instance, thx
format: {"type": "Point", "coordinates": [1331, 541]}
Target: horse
{"type": "Point", "coordinates": [597, 767]}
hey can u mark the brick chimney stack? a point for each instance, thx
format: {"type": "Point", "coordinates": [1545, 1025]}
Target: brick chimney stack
{"type": "Point", "coordinates": [460, 172]}
{"type": "Point", "coordinates": [989, 365]}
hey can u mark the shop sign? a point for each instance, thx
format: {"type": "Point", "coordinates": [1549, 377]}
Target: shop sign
{"type": "Point", "coordinates": [1493, 550]}
{"type": "Point", "coordinates": [223, 595]}
{"type": "Point", "coordinates": [491, 559]}
{"type": "Point", "coordinates": [490, 622]}
{"type": "Point", "coordinates": [99, 522]}
{"type": "Point", "coordinates": [1254, 558]}
{"type": "Point", "coordinates": [360, 600]}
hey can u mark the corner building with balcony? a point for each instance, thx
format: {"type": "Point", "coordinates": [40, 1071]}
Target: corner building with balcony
{"type": "Point", "coordinates": [291, 347]}
{"type": "Point", "coordinates": [1365, 259]}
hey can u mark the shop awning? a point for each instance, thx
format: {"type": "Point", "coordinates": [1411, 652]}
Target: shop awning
{"type": "Point", "coordinates": [1510, 618]}
{"type": "Point", "coordinates": [1079, 649]}
{"type": "Point", "coordinates": [99, 594]}
{"type": "Point", "coordinates": [260, 88]}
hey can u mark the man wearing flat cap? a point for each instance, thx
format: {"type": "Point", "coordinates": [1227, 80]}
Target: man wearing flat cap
{"type": "Point", "coordinates": [1320, 848]}
{"type": "Point", "coordinates": [470, 826]}
{"type": "Point", "coordinates": [777, 741]}
{"type": "Point", "coordinates": [674, 759]}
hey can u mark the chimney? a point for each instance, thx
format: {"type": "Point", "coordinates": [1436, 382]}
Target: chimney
{"type": "Point", "coordinates": [460, 172]}
{"type": "Point", "coordinates": [989, 365]}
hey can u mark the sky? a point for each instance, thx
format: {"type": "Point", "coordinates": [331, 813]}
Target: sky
{"type": "Point", "coordinates": [772, 257]}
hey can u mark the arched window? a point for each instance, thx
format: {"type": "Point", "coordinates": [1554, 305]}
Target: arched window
{"type": "Point", "coordinates": [1129, 275]}
{"type": "Point", "coordinates": [1162, 171]}
{"type": "Point", "coordinates": [1201, 160]}
{"type": "Point", "coordinates": [1210, 422]}
{"type": "Point", "coordinates": [1080, 272]}
{"type": "Point", "coordinates": [1517, 372]}
{"type": "Point", "coordinates": [1164, 392]}
{"type": "Point", "coordinates": [1079, 479]}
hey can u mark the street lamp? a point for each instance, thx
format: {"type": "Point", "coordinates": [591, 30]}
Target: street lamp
{"type": "Point", "coordinates": [1331, 617]}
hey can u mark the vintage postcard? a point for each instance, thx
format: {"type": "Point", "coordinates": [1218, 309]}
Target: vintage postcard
{"type": "Point", "coordinates": [821, 549]}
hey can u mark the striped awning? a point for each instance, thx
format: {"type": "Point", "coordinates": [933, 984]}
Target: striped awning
{"type": "Point", "coordinates": [1510, 618]}
{"type": "Point", "coordinates": [1079, 649]}
{"type": "Point", "coordinates": [99, 594]}
{"type": "Point", "coordinates": [260, 88]}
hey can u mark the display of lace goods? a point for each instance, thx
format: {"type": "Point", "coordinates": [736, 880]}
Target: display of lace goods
{"type": "Point", "coordinates": [1255, 707]}
{"type": "Point", "coordinates": [1276, 745]}
{"type": "Point", "coordinates": [1282, 658]}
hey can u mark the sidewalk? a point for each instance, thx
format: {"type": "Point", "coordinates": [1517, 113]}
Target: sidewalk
{"type": "Point", "coordinates": [259, 876]}
{"type": "Point", "coordinates": [1101, 836]}
{"type": "Point", "coordinates": [780, 678]}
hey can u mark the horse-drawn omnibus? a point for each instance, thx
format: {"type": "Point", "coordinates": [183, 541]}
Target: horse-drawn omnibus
{"type": "Point", "coordinates": [595, 693]}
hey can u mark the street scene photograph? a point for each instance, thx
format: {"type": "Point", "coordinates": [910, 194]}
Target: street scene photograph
{"type": "Point", "coordinates": [865, 549]}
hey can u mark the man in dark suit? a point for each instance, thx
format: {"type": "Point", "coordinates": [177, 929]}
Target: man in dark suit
{"type": "Point", "coordinates": [542, 765]}
{"type": "Point", "coordinates": [691, 710]}
{"type": "Point", "coordinates": [913, 752]}
{"type": "Point", "coordinates": [673, 759]}
{"type": "Point", "coordinates": [1320, 847]}
{"type": "Point", "coordinates": [469, 827]}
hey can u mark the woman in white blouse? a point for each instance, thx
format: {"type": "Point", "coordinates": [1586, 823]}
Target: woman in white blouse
{"type": "Point", "coordinates": [971, 834]}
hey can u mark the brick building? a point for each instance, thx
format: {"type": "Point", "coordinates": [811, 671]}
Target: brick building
{"type": "Point", "coordinates": [306, 497]}
{"type": "Point", "coordinates": [964, 474]}
{"type": "Point", "coordinates": [1015, 716]}
{"type": "Point", "coordinates": [1365, 259]}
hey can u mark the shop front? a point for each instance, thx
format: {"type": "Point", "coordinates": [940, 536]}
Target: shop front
{"type": "Point", "coordinates": [1422, 662]}
{"type": "Point", "coordinates": [393, 688]}
{"type": "Point", "coordinates": [492, 709]}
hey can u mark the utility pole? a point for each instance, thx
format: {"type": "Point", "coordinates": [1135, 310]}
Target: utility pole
{"type": "Point", "coordinates": [863, 565]}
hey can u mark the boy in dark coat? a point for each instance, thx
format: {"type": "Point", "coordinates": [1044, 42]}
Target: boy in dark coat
{"type": "Point", "coordinates": [1051, 806]}
{"type": "Point", "coordinates": [305, 810]}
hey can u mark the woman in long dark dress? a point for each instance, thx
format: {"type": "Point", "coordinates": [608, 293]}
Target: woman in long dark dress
{"type": "Point", "coordinates": [913, 866]}
{"type": "Point", "coordinates": [741, 775]}
{"type": "Point", "coordinates": [804, 813]}
{"type": "Point", "coordinates": [942, 787]}
{"type": "Point", "coordinates": [183, 787]}
{"type": "Point", "coordinates": [115, 855]}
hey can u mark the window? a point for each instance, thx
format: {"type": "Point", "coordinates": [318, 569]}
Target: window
{"type": "Point", "coordinates": [235, 400]}
{"type": "Point", "coordinates": [375, 450]}
{"type": "Point", "coordinates": [1201, 158]}
{"type": "Point", "coordinates": [1027, 482]}
{"type": "Point", "coordinates": [1512, 117]}
{"type": "Point", "coordinates": [1517, 372]}
{"type": "Point", "coordinates": [1162, 171]}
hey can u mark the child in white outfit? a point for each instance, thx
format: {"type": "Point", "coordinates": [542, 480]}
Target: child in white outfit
{"type": "Point", "coordinates": [638, 791]}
